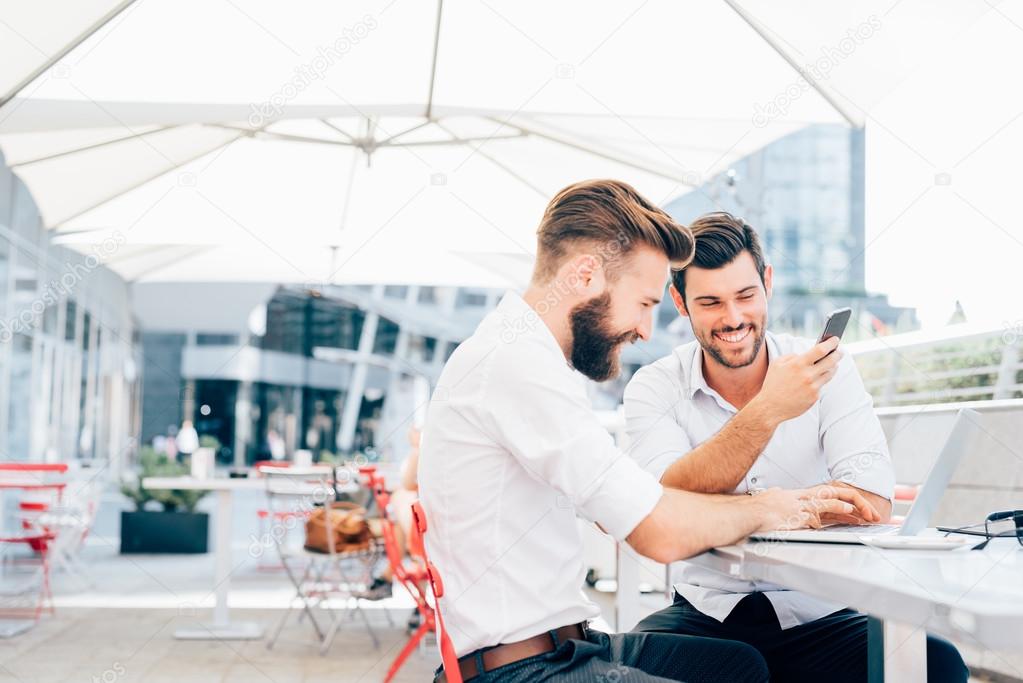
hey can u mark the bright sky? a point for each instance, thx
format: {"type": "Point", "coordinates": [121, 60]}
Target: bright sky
{"type": "Point", "coordinates": [944, 183]}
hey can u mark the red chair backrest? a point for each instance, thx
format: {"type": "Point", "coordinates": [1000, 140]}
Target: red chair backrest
{"type": "Point", "coordinates": [260, 465]}
{"type": "Point", "coordinates": [60, 467]}
{"type": "Point", "coordinates": [905, 492]}
{"type": "Point", "coordinates": [447, 650]}
{"type": "Point", "coordinates": [376, 485]}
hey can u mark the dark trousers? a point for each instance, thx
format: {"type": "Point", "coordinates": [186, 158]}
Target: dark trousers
{"type": "Point", "coordinates": [637, 658]}
{"type": "Point", "coordinates": [833, 648]}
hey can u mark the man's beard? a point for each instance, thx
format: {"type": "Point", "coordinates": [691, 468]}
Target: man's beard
{"type": "Point", "coordinates": [710, 345]}
{"type": "Point", "coordinates": [594, 345]}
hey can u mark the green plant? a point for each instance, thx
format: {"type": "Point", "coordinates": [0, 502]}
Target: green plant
{"type": "Point", "coordinates": [153, 464]}
{"type": "Point", "coordinates": [209, 441]}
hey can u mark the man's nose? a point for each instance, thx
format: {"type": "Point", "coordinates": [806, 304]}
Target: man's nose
{"type": "Point", "coordinates": [645, 326]}
{"type": "Point", "coordinates": [732, 315]}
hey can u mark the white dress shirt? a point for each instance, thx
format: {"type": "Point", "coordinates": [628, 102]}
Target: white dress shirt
{"type": "Point", "coordinates": [671, 410]}
{"type": "Point", "coordinates": [511, 453]}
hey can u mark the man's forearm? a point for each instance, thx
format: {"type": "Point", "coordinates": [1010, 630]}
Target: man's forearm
{"type": "Point", "coordinates": [685, 524]}
{"type": "Point", "coordinates": [721, 462]}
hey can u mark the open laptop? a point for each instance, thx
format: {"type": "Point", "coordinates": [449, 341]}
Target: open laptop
{"type": "Point", "coordinates": [927, 498]}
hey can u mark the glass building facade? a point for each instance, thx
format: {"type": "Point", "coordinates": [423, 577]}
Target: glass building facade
{"type": "Point", "coordinates": [69, 367]}
{"type": "Point", "coordinates": [332, 371]}
{"type": "Point", "coordinates": [804, 195]}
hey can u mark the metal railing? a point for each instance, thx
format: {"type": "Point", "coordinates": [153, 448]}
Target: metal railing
{"type": "Point", "coordinates": [964, 362]}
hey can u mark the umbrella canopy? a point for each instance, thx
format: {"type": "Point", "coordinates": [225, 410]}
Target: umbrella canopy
{"type": "Point", "coordinates": [363, 142]}
{"type": "Point", "coordinates": [418, 142]}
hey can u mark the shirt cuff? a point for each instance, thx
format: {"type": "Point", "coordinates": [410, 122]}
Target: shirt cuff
{"type": "Point", "coordinates": [857, 470]}
{"type": "Point", "coordinates": [622, 498]}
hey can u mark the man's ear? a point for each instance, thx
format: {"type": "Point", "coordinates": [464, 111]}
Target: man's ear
{"type": "Point", "coordinates": [676, 298]}
{"type": "Point", "coordinates": [584, 275]}
{"type": "Point", "coordinates": [768, 280]}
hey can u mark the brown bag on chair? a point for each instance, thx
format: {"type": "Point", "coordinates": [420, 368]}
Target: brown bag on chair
{"type": "Point", "coordinates": [345, 521]}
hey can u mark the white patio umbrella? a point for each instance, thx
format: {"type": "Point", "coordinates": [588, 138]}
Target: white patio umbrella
{"type": "Point", "coordinates": [35, 35]}
{"type": "Point", "coordinates": [417, 142]}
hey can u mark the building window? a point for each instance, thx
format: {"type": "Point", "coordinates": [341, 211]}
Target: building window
{"type": "Point", "coordinates": [428, 295]}
{"type": "Point", "coordinates": [69, 321]}
{"type": "Point", "coordinates": [422, 349]}
{"type": "Point", "coordinates": [395, 291]}
{"type": "Point", "coordinates": [215, 339]}
{"type": "Point", "coordinates": [387, 337]}
{"type": "Point", "coordinates": [334, 324]}
{"type": "Point", "coordinates": [471, 298]}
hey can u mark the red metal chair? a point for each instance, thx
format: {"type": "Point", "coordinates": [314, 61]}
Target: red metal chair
{"type": "Point", "coordinates": [30, 597]}
{"type": "Point", "coordinates": [447, 650]}
{"type": "Point", "coordinates": [44, 495]}
{"type": "Point", "coordinates": [412, 574]}
{"type": "Point", "coordinates": [904, 493]}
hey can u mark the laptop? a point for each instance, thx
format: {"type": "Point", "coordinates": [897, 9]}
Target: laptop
{"type": "Point", "coordinates": [927, 498]}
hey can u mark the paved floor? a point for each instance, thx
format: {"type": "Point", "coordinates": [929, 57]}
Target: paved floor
{"type": "Point", "coordinates": [118, 627]}
{"type": "Point", "coordinates": [128, 645]}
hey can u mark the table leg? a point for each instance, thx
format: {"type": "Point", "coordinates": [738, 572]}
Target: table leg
{"type": "Point", "coordinates": [222, 627]}
{"type": "Point", "coordinates": [627, 607]}
{"type": "Point", "coordinates": [897, 652]}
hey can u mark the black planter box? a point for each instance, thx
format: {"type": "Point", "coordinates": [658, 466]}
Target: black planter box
{"type": "Point", "coordinates": [164, 532]}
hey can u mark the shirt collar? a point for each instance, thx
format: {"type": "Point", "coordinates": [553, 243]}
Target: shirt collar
{"type": "Point", "coordinates": [697, 382]}
{"type": "Point", "coordinates": [519, 318]}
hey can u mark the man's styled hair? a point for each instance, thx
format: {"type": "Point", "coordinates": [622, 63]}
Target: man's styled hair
{"type": "Point", "coordinates": [611, 218]}
{"type": "Point", "coordinates": [720, 238]}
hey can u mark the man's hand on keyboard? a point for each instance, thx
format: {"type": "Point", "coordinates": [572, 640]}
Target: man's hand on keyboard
{"type": "Point", "coordinates": [833, 511]}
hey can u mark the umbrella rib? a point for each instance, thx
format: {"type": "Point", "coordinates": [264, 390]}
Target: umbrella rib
{"type": "Point", "coordinates": [499, 164]}
{"type": "Point", "coordinates": [176, 259]}
{"type": "Point", "coordinates": [156, 248]}
{"type": "Point", "coordinates": [433, 66]}
{"type": "Point", "coordinates": [394, 137]}
{"type": "Point", "coordinates": [142, 182]}
{"type": "Point", "coordinates": [96, 145]}
{"type": "Point", "coordinates": [63, 52]}
{"type": "Point", "coordinates": [282, 136]}
{"type": "Point", "coordinates": [328, 124]}
{"type": "Point", "coordinates": [760, 30]}
{"type": "Point", "coordinates": [454, 141]}
{"type": "Point", "coordinates": [572, 144]}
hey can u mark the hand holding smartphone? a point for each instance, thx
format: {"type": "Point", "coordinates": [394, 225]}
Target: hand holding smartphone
{"type": "Point", "coordinates": [835, 326]}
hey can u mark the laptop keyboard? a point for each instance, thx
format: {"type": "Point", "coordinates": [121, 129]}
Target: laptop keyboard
{"type": "Point", "coordinates": [865, 528]}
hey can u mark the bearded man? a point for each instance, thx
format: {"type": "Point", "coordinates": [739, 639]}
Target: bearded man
{"type": "Point", "coordinates": [512, 453]}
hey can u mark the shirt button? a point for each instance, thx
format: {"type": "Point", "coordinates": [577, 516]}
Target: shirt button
{"type": "Point", "coordinates": [753, 480]}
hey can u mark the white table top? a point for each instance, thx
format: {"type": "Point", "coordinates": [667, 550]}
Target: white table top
{"type": "Point", "coordinates": [186, 483]}
{"type": "Point", "coordinates": [190, 483]}
{"type": "Point", "coordinates": [975, 596]}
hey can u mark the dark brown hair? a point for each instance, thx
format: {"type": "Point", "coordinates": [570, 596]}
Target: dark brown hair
{"type": "Point", "coordinates": [611, 217]}
{"type": "Point", "coordinates": [720, 238]}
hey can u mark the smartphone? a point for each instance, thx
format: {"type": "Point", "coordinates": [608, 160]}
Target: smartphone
{"type": "Point", "coordinates": [835, 326]}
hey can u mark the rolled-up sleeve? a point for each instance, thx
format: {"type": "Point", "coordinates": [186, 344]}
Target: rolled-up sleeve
{"type": "Point", "coordinates": [549, 427]}
{"type": "Point", "coordinates": [656, 439]}
{"type": "Point", "coordinates": [854, 444]}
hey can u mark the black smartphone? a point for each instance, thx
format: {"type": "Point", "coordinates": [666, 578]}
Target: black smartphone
{"type": "Point", "coordinates": [835, 326]}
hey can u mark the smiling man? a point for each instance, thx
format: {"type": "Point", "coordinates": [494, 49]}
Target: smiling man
{"type": "Point", "coordinates": [741, 409]}
{"type": "Point", "coordinates": [512, 453]}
